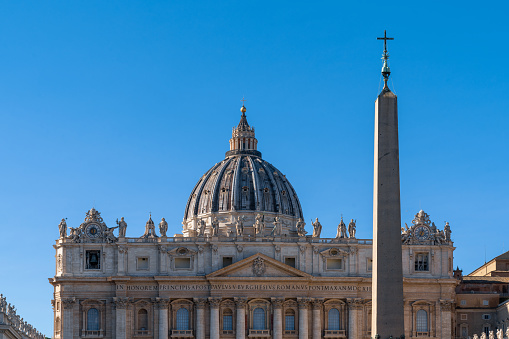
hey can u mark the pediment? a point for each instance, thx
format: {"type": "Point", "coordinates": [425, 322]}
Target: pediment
{"type": "Point", "coordinates": [259, 266]}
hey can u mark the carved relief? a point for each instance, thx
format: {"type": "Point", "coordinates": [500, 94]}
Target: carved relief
{"type": "Point", "coordinates": [241, 302]}
{"type": "Point", "coordinates": [200, 302]}
{"type": "Point", "coordinates": [214, 302]}
{"type": "Point", "coordinates": [68, 303]}
{"type": "Point", "coordinates": [121, 303]}
{"type": "Point", "coordinates": [259, 267]}
{"type": "Point", "coordinates": [277, 302]}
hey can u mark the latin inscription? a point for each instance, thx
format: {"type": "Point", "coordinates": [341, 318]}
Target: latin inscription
{"type": "Point", "coordinates": [243, 287]}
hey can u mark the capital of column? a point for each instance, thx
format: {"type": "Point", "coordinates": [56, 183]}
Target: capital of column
{"type": "Point", "coordinates": [200, 303]}
{"type": "Point", "coordinates": [121, 303]}
{"type": "Point", "coordinates": [355, 303]}
{"type": "Point", "coordinates": [317, 304]}
{"type": "Point", "coordinates": [277, 302]}
{"type": "Point", "coordinates": [240, 301]}
{"type": "Point", "coordinates": [446, 305]}
{"type": "Point", "coordinates": [161, 303]}
{"type": "Point", "coordinates": [214, 302]}
{"type": "Point", "coordinates": [303, 303]}
{"type": "Point", "coordinates": [68, 303]}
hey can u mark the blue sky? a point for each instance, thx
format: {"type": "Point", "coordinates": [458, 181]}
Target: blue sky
{"type": "Point", "coordinates": [123, 105]}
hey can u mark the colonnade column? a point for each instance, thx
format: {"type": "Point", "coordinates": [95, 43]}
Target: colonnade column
{"type": "Point", "coordinates": [240, 328]}
{"type": "Point", "coordinates": [277, 306]}
{"type": "Point", "coordinates": [214, 317]}
{"type": "Point", "coordinates": [68, 306]}
{"type": "Point", "coordinates": [303, 318]}
{"type": "Point", "coordinates": [317, 318]}
{"type": "Point", "coordinates": [200, 304]}
{"type": "Point", "coordinates": [121, 304]}
{"type": "Point", "coordinates": [162, 307]}
{"type": "Point", "coordinates": [354, 318]}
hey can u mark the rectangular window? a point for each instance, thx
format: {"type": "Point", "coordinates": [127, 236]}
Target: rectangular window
{"type": "Point", "coordinates": [369, 265]}
{"type": "Point", "coordinates": [485, 302]}
{"type": "Point", "coordinates": [290, 262]}
{"type": "Point", "coordinates": [142, 264]}
{"type": "Point", "coordinates": [486, 330]}
{"type": "Point", "coordinates": [464, 317]}
{"type": "Point", "coordinates": [463, 302]}
{"type": "Point", "coordinates": [464, 331]}
{"type": "Point", "coordinates": [289, 322]}
{"type": "Point", "coordinates": [421, 262]}
{"type": "Point", "coordinates": [227, 261]}
{"type": "Point", "coordinates": [486, 317]}
{"type": "Point", "coordinates": [334, 264]}
{"type": "Point", "coordinates": [227, 322]}
{"type": "Point", "coordinates": [182, 263]}
{"type": "Point", "coordinates": [93, 260]}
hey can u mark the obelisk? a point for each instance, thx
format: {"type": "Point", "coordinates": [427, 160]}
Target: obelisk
{"type": "Point", "coordinates": [387, 281]}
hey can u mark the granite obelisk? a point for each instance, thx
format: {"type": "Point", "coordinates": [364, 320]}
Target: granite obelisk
{"type": "Point", "coordinates": [387, 281]}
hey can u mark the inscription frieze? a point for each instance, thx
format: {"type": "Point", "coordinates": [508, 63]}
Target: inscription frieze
{"type": "Point", "coordinates": [244, 287]}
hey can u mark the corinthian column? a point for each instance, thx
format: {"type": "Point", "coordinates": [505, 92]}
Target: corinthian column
{"type": "Point", "coordinates": [317, 318]}
{"type": "Point", "coordinates": [303, 318]}
{"type": "Point", "coordinates": [240, 328]}
{"type": "Point", "coordinates": [354, 318]}
{"type": "Point", "coordinates": [162, 306]}
{"type": "Point", "coordinates": [200, 317]}
{"type": "Point", "coordinates": [121, 305]}
{"type": "Point", "coordinates": [277, 305]}
{"type": "Point", "coordinates": [214, 317]}
{"type": "Point", "coordinates": [68, 304]}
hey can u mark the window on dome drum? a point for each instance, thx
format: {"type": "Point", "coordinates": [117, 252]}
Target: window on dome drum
{"type": "Point", "coordinates": [93, 260]}
{"type": "Point", "coordinates": [421, 322]}
{"type": "Point", "coordinates": [182, 263]}
{"type": "Point", "coordinates": [182, 319]}
{"type": "Point", "coordinates": [333, 319]}
{"type": "Point", "coordinates": [290, 320]}
{"type": "Point", "coordinates": [421, 262]}
{"type": "Point", "coordinates": [93, 320]}
{"type": "Point", "coordinates": [142, 263]}
{"type": "Point", "coordinates": [290, 261]}
{"type": "Point", "coordinates": [259, 319]}
{"type": "Point", "coordinates": [227, 320]}
{"type": "Point", "coordinates": [142, 321]}
{"type": "Point", "coordinates": [334, 264]}
{"type": "Point", "coordinates": [227, 261]}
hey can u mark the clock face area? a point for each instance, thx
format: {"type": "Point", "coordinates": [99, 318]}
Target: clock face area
{"type": "Point", "coordinates": [92, 231]}
{"type": "Point", "coordinates": [422, 233]}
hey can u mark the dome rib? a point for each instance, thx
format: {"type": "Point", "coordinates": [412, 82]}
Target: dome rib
{"type": "Point", "coordinates": [217, 190]}
{"type": "Point", "coordinates": [256, 183]}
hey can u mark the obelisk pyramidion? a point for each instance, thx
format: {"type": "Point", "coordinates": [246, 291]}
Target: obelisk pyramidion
{"type": "Point", "coordinates": [387, 281]}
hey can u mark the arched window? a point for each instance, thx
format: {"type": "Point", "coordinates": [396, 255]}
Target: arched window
{"type": "Point", "coordinates": [422, 321]}
{"type": "Point", "coordinates": [183, 319]}
{"type": "Point", "coordinates": [333, 319]}
{"type": "Point", "coordinates": [93, 320]}
{"type": "Point", "coordinates": [259, 319]}
{"type": "Point", "coordinates": [290, 320]}
{"type": "Point", "coordinates": [143, 320]}
{"type": "Point", "coordinates": [227, 320]}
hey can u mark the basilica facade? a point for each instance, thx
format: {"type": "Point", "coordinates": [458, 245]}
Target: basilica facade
{"type": "Point", "coordinates": [244, 266]}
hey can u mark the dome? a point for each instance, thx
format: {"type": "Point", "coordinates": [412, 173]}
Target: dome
{"type": "Point", "coordinates": [240, 188]}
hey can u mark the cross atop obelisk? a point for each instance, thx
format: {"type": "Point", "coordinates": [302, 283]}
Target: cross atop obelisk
{"type": "Point", "coordinates": [387, 280]}
{"type": "Point", "coordinates": [386, 71]}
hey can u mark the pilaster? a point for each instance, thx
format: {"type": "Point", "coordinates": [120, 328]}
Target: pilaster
{"type": "Point", "coordinates": [214, 317]}
{"type": "Point", "coordinates": [303, 318]}
{"type": "Point", "coordinates": [68, 323]}
{"type": "Point", "coordinates": [354, 318]}
{"type": "Point", "coordinates": [277, 306]}
{"type": "Point", "coordinates": [240, 330]}
{"type": "Point", "coordinates": [317, 318]}
{"type": "Point", "coordinates": [121, 305]}
{"type": "Point", "coordinates": [200, 304]}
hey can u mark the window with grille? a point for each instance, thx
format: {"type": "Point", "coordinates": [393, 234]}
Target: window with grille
{"type": "Point", "coordinates": [421, 262]}
{"type": "Point", "coordinates": [422, 321]}
{"type": "Point", "coordinates": [143, 320]}
{"type": "Point", "coordinates": [290, 320]}
{"type": "Point", "coordinates": [182, 319]}
{"type": "Point", "coordinates": [93, 320]}
{"type": "Point", "coordinates": [227, 320]}
{"type": "Point", "coordinates": [259, 319]}
{"type": "Point", "coordinates": [334, 319]}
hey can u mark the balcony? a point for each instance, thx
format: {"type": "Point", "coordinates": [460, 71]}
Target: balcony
{"type": "Point", "coordinates": [92, 334]}
{"type": "Point", "coordinates": [259, 334]}
{"type": "Point", "coordinates": [228, 332]}
{"type": "Point", "coordinates": [422, 334]}
{"type": "Point", "coordinates": [142, 333]}
{"type": "Point", "coordinates": [182, 334]}
{"type": "Point", "coordinates": [334, 334]}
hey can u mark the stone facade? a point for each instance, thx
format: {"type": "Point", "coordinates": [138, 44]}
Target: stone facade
{"type": "Point", "coordinates": [268, 280]}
